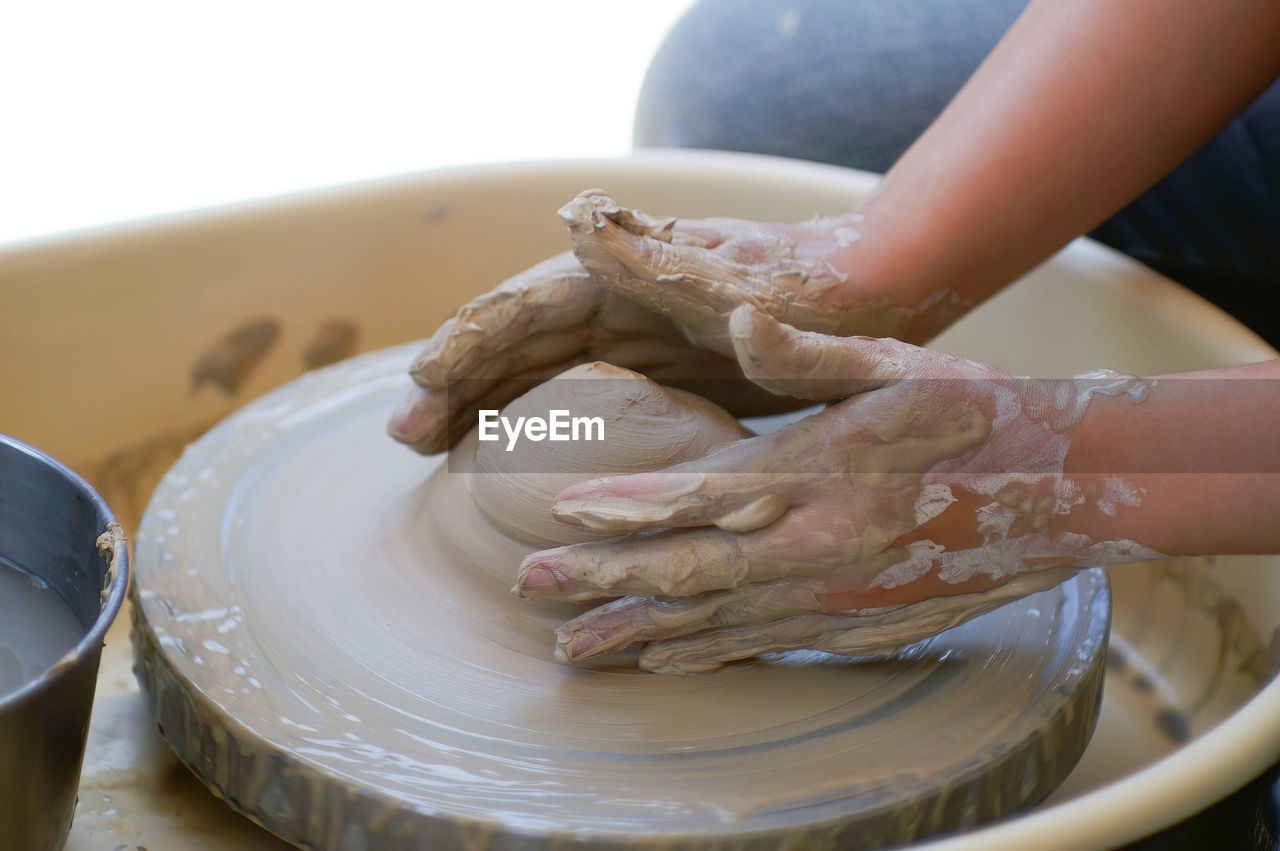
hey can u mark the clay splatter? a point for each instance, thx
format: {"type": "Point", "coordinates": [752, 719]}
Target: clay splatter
{"type": "Point", "coordinates": [333, 341]}
{"type": "Point", "coordinates": [228, 362]}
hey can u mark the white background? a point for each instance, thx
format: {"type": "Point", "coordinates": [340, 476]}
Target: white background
{"type": "Point", "coordinates": [118, 110]}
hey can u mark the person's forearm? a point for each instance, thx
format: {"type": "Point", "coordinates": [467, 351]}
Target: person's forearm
{"type": "Point", "coordinates": [1080, 108]}
{"type": "Point", "coordinates": [1202, 456]}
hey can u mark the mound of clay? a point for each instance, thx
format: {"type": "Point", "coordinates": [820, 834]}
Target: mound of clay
{"type": "Point", "coordinates": [646, 427]}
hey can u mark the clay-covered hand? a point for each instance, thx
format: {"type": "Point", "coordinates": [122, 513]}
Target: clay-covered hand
{"type": "Point", "coordinates": [655, 296]}
{"type": "Point", "coordinates": [538, 324]}
{"type": "Point", "coordinates": [932, 493]}
{"type": "Point", "coordinates": [697, 271]}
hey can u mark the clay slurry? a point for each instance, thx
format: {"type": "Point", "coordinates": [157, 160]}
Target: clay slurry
{"type": "Point", "coordinates": [36, 627]}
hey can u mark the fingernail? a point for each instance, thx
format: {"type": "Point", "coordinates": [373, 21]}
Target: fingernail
{"type": "Point", "coordinates": [406, 420]}
{"type": "Point", "coordinates": [605, 635]}
{"type": "Point", "coordinates": [541, 578]}
{"type": "Point", "coordinates": [575, 647]}
{"type": "Point", "coordinates": [581, 489]}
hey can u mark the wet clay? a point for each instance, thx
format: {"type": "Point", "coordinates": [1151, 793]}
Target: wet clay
{"type": "Point", "coordinates": [228, 362]}
{"type": "Point", "coordinates": [326, 646]}
{"type": "Point", "coordinates": [645, 427]}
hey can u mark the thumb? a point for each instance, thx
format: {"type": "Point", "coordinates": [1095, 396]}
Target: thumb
{"type": "Point", "coordinates": [809, 365]}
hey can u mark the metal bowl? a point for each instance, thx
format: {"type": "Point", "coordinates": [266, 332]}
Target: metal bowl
{"type": "Point", "coordinates": [56, 527]}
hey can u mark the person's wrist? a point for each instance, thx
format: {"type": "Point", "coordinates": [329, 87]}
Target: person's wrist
{"type": "Point", "coordinates": [897, 263]}
{"type": "Point", "coordinates": [1121, 460]}
{"type": "Point", "coordinates": [1107, 439]}
{"type": "Point", "coordinates": [876, 268]}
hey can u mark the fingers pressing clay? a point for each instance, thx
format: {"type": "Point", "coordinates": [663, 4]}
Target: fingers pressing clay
{"type": "Point", "coordinates": [431, 421]}
{"type": "Point", "coordinates": [813, 516]}
{"type": "Point", "coordinates": [690, 285]}
{"type": "Point", "coordinates": [555, 296]}
{"type": "Point", "coordinates": [697, 494]}
{"type": "Point", "coordinates": [631, 620]}
{"type": "Point", "coordinates": [533, 327]}
{"type": "Point", "coordinates": [416, 422]}
{"type": "Point", "coordinates": [740, 486]}
{"type": "Point", "coordinates": [535, 324]}
{"type": "Point", "coordinates": [808, 365]}
{"type": "Point", "coordinates": [687, 562]}
{"type": "Point", "coordinates": [807, 540]}
{"type": "Point", "coordinates": [867, 633]}
{"type": "Point", "coordinates": [677, 563]}
{"type": "Point", "coordinates": [697, 273]}
{"type": "Point", "coordinates": [748, 484]}
{"type": "Point", "coordinates": [668, 290]}
{"type": "Point", "coordinates": [931, 474]}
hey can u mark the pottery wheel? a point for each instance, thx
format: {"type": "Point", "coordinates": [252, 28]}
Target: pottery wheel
{"type": "Point", "coordinates": [309, 654]}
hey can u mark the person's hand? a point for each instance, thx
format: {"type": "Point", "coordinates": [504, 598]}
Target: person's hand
{"type": "Point", "coordinates": [934, 492]}
{"type": "Point", "coordinates": [696, 272]}
{"type": "Point", "coordinates": [538, 324]}
{"type": "Point", "coordinates": [655, 297]}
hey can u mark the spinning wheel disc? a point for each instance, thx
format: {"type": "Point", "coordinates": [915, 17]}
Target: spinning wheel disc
{"type": "Point", "coordinates": [319, 649]}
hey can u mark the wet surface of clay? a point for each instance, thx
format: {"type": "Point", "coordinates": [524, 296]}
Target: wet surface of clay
{"type": "Point", "coordinates": [644, 427]}
{"type": "Point", "coordinates": [323, 645]}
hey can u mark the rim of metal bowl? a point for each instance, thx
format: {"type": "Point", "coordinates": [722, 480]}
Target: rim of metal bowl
{"type": "Point", "coordinates": [91, 642]}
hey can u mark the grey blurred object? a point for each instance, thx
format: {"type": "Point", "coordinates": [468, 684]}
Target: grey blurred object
{"type": "Point", "coordinates": [54, 525]}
